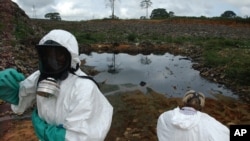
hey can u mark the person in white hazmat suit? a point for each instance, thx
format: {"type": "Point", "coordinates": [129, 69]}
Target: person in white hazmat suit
{"type": "Point", "coordinates": [69, 107]}
{"type": "Point", "coordinates": [188, 123]}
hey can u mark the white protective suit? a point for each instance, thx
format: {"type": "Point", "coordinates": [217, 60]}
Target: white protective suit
{"type": "Point", "coordinates": [80, 107]}
{"type": "Point", "coordinates": [175, 125]}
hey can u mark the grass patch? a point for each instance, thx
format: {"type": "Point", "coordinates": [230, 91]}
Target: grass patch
{"type": "Point", "coordinates": [131, 37]}
{"type": "Point", "coordinates": [23, 31]}
{"type": "Point", "coordinates": [239, 67]}
{"type": "Point", "coordinates": [234, 55]}
{"type": "Point", "coordinates": [89, 37]}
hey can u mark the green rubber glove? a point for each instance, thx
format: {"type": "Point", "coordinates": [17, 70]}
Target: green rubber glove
{"type": "Point", "coordinates": [9, 85]}
{"type": "Point", "coordinates": [45, 131]}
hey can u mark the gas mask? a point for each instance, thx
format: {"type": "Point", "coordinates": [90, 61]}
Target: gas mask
{"type": "Point", "coordinates": [48, 87]}
{"type": "Point", "coordinates": [54, 65]}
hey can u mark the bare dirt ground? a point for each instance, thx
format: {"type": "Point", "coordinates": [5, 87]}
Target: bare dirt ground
{"type": "Point", "coordinates": [135, 116]}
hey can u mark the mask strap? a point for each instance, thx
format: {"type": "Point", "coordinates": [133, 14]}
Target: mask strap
{"type": "Point", "coordinates": [85, 77]}
{"type": "Point", "coordinates": [73, 70]}
{"type": "Point", "coordinates": [195, 96]}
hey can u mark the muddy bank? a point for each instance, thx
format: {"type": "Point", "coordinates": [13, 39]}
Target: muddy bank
{"type": "Point", "coordinates": [190, 51]}
{"type": "Point", "coordinates": [135, 116]}
{"type": "Point", "coordinates": [135, 113]}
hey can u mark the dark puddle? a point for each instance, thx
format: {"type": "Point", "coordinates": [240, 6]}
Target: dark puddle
{"type": "Point", "coordinates": [167, 74]}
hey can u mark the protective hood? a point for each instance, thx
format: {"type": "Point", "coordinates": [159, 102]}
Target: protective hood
{"type": "Point", "coordinates": [67, 40]}
{"type": "Point", "coordinates": [185, 121]}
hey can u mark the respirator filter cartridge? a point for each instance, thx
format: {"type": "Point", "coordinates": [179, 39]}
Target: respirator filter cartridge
{"type": "Point", "coordinates": [48, 87]}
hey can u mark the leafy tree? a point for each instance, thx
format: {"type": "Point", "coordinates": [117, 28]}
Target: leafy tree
{"type": "Point", "coordinates": [159, 13]}
{"type": "Point", "coordinates": [146, 4]}
{"type": "Point", "coordinates": [228, 14]}
{"type": "Point", "coordinates": [53, 16]}
{"type": "Point", "coordinates": [143, 17]}
{"type": "Point", "coordinates": [171, 14]}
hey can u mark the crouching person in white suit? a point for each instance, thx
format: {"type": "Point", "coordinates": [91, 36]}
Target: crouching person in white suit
{"type": "Point", "coordinates": [188, 123]}
{"type": "Point", "coordinates": [70, 106]}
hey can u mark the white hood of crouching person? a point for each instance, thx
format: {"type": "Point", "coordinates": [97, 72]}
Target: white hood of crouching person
{"type": "Point", "coordinates": [79, 107]}
{"type": "Point", "coordinates": [176, 125]}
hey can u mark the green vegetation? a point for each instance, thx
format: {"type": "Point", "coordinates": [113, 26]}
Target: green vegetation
{"type": "Point", "coordinates": [53, 16]}
{"type": "Point", "coordinates": [228, 14]}
{"type": "Point", "coordinates": [23, 30]}
{"type": "Point", "coordinates": [89, 38]}
{"type": "Point", "coordinates": [159, 13]}
{"type": "Point", "coordinates": [1, 26]}
{"type": "Point", "coordinates": [132, 37]}
{"type": "Point", "coordinates": [231, 54]}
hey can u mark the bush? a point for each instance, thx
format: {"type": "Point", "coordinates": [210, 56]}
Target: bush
{"type": "Point", "coordinates": [131, 37]}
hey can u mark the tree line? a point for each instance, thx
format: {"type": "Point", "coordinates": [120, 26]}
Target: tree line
{"type": "Point", "coordinates": [159, 13]}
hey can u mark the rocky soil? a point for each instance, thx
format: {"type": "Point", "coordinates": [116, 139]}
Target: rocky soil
{"type": "Point", "coordinates": [135, 113]}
